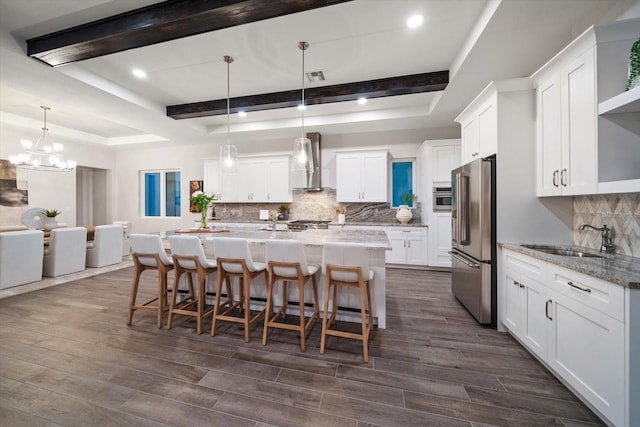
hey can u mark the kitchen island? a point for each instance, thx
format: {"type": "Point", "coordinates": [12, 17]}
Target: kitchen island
{"type": "Point", "coordinates": [375, 241]}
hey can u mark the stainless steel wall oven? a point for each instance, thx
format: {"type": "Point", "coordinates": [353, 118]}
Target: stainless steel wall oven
{"type": "Point", "coordinates": [442, 199]}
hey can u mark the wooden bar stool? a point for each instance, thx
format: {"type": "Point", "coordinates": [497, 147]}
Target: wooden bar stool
{"type": "Point", "coordinates": [347, 264]}
{"type": "Point", "coordinates": [149, 254]}
{"type": "Point", "coordinates": [189, 257]}
{"type": "Point", "coordinates": [286, 262]}
{"type": "Point", "coordinates": [234, 260]}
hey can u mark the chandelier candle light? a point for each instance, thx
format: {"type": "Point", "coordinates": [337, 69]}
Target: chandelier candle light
{"type": "Point", "coordinates": [302, 157]}
{"type": "Point", "coordinates": [44, 154]}
{"type": "Point", "coordinates": [228, 152]}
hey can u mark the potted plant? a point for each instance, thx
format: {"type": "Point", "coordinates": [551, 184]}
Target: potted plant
{"type": "Point", "coordinates": [203, 202]}
{"type": "Point", "coordinates": [50, 219]}
{"type": "Point", "coordinates": [404, 214]}
{"type": "Point", "coordinates": [634, 66]}
{"type": "Point", "coordinates": [283, 211]}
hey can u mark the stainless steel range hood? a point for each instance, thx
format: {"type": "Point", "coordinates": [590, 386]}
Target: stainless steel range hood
{"type": "Point", "coordinates": [313, 177]}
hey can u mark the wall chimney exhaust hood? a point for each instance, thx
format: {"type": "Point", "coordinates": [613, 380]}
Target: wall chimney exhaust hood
{"type": "Point", "coordinates": [313, 177]}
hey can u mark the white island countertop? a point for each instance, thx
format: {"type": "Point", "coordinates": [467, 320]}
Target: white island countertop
{"type": "Point", "coordinates": [369, 238]}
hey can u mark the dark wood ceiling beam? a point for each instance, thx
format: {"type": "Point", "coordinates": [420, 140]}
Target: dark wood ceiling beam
{"type": "Point", "coordinates": [403, 85]}
{"type": "Point", "coordinates": [158, 23]}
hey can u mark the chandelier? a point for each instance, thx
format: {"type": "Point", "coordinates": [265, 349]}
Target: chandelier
{"type": "Point", "coordinates": [44, 154]}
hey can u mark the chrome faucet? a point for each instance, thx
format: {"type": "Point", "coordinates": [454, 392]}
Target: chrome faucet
{"type": "Point", "coordinates": [607, 245]}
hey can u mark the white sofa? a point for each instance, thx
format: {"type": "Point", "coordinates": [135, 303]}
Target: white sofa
{"type": "Point", "coordinates": [21, 255]}
{"type": "Point", "coordinates": [66, 253]}
{"type": "Point", "coordinates": [106, 247]}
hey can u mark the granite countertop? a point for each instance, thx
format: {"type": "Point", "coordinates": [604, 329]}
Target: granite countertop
{"type": "Point", "coordinates": [619, 269]}
{"type": "Point", "coordinates": [369, 223]}
{"type": "Point", "coordinates": [371, 239]}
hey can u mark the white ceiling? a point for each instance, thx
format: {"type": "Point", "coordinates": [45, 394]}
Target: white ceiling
{"type": "Point", "coordinates": [100, 102]}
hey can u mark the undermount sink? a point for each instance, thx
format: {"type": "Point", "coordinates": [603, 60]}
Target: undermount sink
{"type": "Point", "coordinates": [555, 250]}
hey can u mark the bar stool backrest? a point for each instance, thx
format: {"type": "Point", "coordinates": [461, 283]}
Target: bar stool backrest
{"type": "Point", "coordinates": [348, 255]}
{"type": "Point", "coordinates": [149, 244]}
{"type": "Point", "coordinates": [189, 246]}
{"type": "Point", "coordinates": [286, 251]}
{"type": "Point", "coordinates": [233, 248]}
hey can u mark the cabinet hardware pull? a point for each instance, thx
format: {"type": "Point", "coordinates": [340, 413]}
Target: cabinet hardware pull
{"type": "Point", "coordinates": [555, 178]}
{"type": "Point", "coordinates": [578, 287]}
{"type": "Point", "coordinates": [563, 176]}
{"type": "Point", "coordinates": [409, 243]}
{"type": "Point", "coordinates": [546, 309]}
{"type": "Point", "coordinates": [474, 154]}
{"type": "Point", "coordinates": [515, 282]}
{"type": "Point", "coordinates": [521, 285]}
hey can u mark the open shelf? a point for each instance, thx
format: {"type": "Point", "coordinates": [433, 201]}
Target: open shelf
{"type": "Point", "coordinates": [626, 102]}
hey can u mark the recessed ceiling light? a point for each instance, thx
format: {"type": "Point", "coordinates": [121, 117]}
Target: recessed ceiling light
{"type": "Point", "coordinates": [362, 100]}
{"type": "Point", "coordinates": [242, 113]}
{"type": "Point", "coordinates": [302, 107]}
{"type": "Point", "coordinates": [139, 73]}
{"type": "Point", "coordinates": [414, 21]}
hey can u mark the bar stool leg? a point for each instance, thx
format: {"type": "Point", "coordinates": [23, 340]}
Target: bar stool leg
{"type": "Point", "coordinates": [134, 292]}
{"type": "Point", "coordinates": [216, 305]}
{"type": "Point", "coordinates": [246, 283]}
{"type": "Point", "coordinates": [363, 320]}
{"type": "Point", "coordinates": [200, 304]}
{"type": "Point", "coordinates": [323, 335]}
{"type": "Point", "coordinates": [303, 334]}
{"type": "Point", "coordinates": [268, 309]}
{"type": "Point", "coordinates": [162, 289]}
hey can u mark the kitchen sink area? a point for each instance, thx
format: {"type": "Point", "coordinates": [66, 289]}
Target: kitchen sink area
{"type": "Point", "coordinates": [563, 251]}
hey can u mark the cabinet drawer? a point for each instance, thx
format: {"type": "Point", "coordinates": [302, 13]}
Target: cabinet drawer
{"type": "Point", "coordinates": [605, 297]}
{"type": "Point", "coordinates": [529, 266]}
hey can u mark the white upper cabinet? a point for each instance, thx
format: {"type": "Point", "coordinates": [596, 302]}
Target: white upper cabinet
{"type": "Point", "coordinates": [259, 180]}
{"type": "Point", "coordinates": [361, 176]}
{"type": "Point", "coordinates": [579, 149]}
{"type": "Point", "coordinates": [479, 121]}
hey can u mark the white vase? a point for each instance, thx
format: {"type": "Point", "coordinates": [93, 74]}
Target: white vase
{"type": "Point", "coordinates": [404, 214]}
{"type": "Point", "coordinates": [49, 223]}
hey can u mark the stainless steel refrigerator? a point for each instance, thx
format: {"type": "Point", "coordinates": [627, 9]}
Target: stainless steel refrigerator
{"type": "Point", "coordinates": [473, 253]}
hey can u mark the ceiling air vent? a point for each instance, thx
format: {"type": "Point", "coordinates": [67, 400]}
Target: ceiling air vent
{"type": "Point", "coordinates": [315, 76]}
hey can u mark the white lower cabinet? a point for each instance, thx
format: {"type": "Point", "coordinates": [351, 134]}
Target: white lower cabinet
{"type": "Point", "coordinates": [408, 245]}
{"type": "Point", "coordinates": [575, 324]}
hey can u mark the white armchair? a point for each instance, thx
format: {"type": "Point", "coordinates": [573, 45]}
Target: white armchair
{"type": "Point", "coordinates": [20, 257]}
{"type": "Point", "coordinates": [66, 253]}
{"type": "Point", "coordinates": [106, 247]}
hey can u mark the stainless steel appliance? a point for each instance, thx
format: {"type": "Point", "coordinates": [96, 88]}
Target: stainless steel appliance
{"type": "Point", "coordinates": [473, 253]}
{"type": "Point", "coordinates": [305, 224]}
{"type": "Point", "coordinates": [441, 199]}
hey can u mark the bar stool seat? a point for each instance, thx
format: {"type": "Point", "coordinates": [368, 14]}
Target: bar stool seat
{"type": "Point", "coordinates": [286, 262]}
{"type": "Point", "coordinates": [189, 258]}
{"type": "Point", "coordinates": [347, 265]}
{"type": "Point", "coordinates": [235, 261]}
{"type": "Point", "coordinates": [148, 254]}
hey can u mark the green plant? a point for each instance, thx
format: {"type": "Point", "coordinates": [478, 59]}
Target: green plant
{"type": "Point", "coordinates": [634, 64]}
{"type": "Point", "coordinates": [283, 209]}
{"type": "Point", "coordinates": [51, 213]}
{"type": "Point", "coordinates": [408, 198]}
{"type": "Point", "coordinates": [202, 200]}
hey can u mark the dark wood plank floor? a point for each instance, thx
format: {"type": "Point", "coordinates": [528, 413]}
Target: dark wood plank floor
{"type": "Point", "coordinates": [67, 358]}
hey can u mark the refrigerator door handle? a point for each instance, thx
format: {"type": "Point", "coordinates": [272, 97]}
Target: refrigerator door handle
{"type": "Point", "coordinates": [462, 209]}
{"type": "Point", "coordinates": [464, 260]}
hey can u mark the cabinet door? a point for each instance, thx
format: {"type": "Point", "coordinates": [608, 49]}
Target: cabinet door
{"type": "Point", "coordinates": [579, 151]}
{"type": "Point", "coordinates": [443, 160]}
{"type": "Point", "coordinates": [488, 130]}
{"type": "Point", "coordinates": [278, 187]}
{"type": "Point", "coordinates": [549, 140]}
{"type": "Point", "coordinates": [398, 252]}
{"type": "Point", "coordinates": [535, 323]}
{"type": "Point", "coordinates": [374, 177]}
{"type": "Point", "coordinates": [416, 247]}
{"type": "Point", "coordinates": [586, 348]}
{"type": "Point", "coordinates": [349, 175]}
{"type": "Point", "coordinates": [512, 317]}
{"type": "Point", "coordinates": [212, 180]}
{"type": "Point", "coordinates": [470, 148]}
{"type": "Point", "coordinates": [440, 240]}
{"type": "Point", "coordinates": [252, 181]}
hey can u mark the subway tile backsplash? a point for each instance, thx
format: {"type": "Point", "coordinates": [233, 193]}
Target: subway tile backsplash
{"type": "Point", "coordinates": [621, 212]}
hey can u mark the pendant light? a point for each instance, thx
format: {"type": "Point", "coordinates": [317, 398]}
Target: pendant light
{"type": "Point", "coordinates": [44, 155]}
{"type": "Point", "coordinates": [302, 157]}
{"type": "Point", "coordinates": [228, 152]}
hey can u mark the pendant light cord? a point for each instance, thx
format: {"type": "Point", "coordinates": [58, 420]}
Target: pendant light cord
{"type": "Point", "coordinates": [228, 60]}
{"type": "Point", "coordinates": [303, 46]}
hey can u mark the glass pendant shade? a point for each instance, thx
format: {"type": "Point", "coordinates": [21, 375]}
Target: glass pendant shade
{"type": "Point", "coordinates": [302, 156]}
{"type": "Point", "coordinates": [229, 159]}
{"type": "Point", "coordinates": [44, 154]}
{"type": "Point", "coordinates": [228, 152]}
